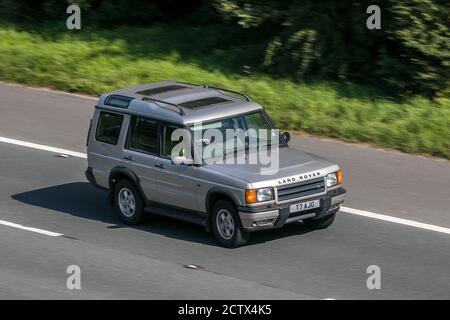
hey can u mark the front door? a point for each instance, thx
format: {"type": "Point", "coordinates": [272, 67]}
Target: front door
{"type": "Point", "coordinates": [175, 182]}
{"type": "Point", "coordinates": [141, 153]}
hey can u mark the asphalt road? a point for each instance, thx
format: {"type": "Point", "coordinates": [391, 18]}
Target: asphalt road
{"type": "Point", "coordinates": [40, 190]}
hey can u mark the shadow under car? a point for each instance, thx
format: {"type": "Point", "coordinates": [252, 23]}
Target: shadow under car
{"type": "Point", "coordinates": [81, 199]}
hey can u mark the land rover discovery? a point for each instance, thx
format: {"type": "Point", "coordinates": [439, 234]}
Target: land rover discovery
{"type": "Point", "coordinates": [130, 154]}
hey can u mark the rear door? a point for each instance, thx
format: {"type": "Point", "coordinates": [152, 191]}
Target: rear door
{"type": "Point", "coordinates": [105, 145]}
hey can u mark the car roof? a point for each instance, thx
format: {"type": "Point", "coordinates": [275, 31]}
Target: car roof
{"type": "Point", "coordinates": [178, 102]}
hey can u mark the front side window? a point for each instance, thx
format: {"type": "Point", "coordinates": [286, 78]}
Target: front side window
{"type": "Point", "coordinates": [168, 144]}
{"type": "Point", "coordinates": [108, 129]}
{"type": "Point", "coordinates": [143, 135]}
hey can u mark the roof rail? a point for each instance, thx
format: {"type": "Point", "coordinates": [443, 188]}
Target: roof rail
{"type": "Point", "coordinates": [179, 109]}
{"type": "Point", "coordinates": [221, 90]}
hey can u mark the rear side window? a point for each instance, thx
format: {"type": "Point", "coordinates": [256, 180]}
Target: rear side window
{"type": "Point", "coordinates": [108, 129]}
{"type": "Point", "coordinates": [143, 135]}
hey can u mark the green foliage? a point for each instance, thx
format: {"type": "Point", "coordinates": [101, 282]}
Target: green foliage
{"type": "Point", "coordinates": [299, 40]}
{"type": "Point", "coordinates": [329, 39]}
{"type": "Point", "coordinates": [421, 29]}
{"type": "Point", "coordinates": [98, 61]}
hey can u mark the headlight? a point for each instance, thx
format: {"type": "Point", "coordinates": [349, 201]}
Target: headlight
{"type": "Point", "coordinates": [331, 179]}
{"type": "Point", "coordinates": [334, 178]}
{"type": "Point", "coordinates": [258, 195]}
{"type": "Point", "coordinates": [264, 194]}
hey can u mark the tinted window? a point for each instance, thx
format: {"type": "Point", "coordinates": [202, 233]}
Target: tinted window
{"type": "Point", "coordinates": [256, 121]}
{"type": "Point", "coordinates": [118, 101]}
{"type": "Point", "coordinates": [203, 102]}
{"type": "Point", "coordinates": [143, 135]}
{"type": "Point", "coordinates": [158, 90]}
{"type": "Point", "coordinates": [168, 144]}
{"type": "Point", "coordinates": [108, 129]}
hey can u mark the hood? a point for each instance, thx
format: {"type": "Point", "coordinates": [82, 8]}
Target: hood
{"type": "Point", "coordinates": [294, 166]}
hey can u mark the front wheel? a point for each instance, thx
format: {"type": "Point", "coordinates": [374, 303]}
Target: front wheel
{"type": "Point", "coordinates": [226, 225]}
{"type": "Point", "coordinates": [321, 223]}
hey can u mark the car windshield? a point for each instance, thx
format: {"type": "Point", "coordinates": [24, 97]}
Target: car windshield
{"type": "Point", "coordinates": [235, 134]}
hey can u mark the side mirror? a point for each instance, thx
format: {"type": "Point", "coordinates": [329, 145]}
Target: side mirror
{"type": "Point", "coordinates": [286, 136]}
{"type": "Point", "coordinates": [182, 160]}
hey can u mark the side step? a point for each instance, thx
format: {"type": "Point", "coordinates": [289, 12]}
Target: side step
{"type": "Point", "coordinates": [180, 214]}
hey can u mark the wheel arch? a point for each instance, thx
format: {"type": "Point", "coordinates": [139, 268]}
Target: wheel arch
{"type": "Point", "coordinates": [118, 173]}
{"type": "Point", "coordinates": [215, 194]}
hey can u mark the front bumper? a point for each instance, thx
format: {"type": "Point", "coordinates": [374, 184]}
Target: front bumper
{"type": "Point", "coordinates": [277, 215]}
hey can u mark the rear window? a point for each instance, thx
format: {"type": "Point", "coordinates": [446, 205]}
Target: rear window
{"type": "Point", "coordinates": [108, 129]}
{"type": "Point", "coordinates": [143, 135]}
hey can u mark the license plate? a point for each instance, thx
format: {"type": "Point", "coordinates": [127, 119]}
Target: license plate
{"type": "Point", "coordinates": [302, 206]}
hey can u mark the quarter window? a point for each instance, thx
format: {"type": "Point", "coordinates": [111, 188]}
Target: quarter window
{"type": "Point", "coordinates": [143, 135]}
{"type": "Point", "coordinates": [108, 129]}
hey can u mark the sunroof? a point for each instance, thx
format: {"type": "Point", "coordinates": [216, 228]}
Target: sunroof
{"type": "Point", "coordinates": [194, 104]}
{"type": "Point", "coordinates": [152, 91]}
{"type": "Point", "coordinates": [118, 101]}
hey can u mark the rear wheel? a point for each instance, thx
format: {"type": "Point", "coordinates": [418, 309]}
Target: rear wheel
{"type": "Point", "coordinates": [129, 203]}
{"type": "Point", "coordinates": [226, 225]}
{"type": "Point", "coordinates": [321, 223]}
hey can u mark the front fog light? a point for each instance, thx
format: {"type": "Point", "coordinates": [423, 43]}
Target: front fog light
{"type": "Point", "coordinates": [264, 194]}
{"type": "Point", "coordinates": [331, 179]}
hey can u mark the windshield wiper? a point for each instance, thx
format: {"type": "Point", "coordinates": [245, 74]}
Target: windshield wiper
{"type": "Point", "coordinates": [234, 151]}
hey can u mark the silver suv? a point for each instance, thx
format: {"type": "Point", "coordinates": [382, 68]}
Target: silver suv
{"type": "Point", "coordinates": [130, 154]}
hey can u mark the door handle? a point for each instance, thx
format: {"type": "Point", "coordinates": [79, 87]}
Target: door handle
{"type": "Point", "coordinates": [160, 165]}
{"type": "Point", "coordinates": [130, 158]}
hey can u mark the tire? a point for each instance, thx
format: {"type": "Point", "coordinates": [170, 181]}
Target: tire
{"type": "Point", "coordinates": [130, 211]}
{"type": "Point", "coordinates": [224, 217]}
{"type": "Point", "coordinates": [321, 223]}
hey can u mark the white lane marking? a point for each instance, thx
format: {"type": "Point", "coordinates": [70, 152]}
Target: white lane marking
{"type": "Point", "coordinates": [405, 222]}
{"type": "Point", "coordinates": [19, 226]}
{"type": "Point", "coordinates": [368, 214]}
{"type": "Point", "coordinates": [43, 147]}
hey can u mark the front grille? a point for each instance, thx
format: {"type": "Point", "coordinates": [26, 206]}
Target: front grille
{"type": "Point", "coordinates": [302, 189]}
